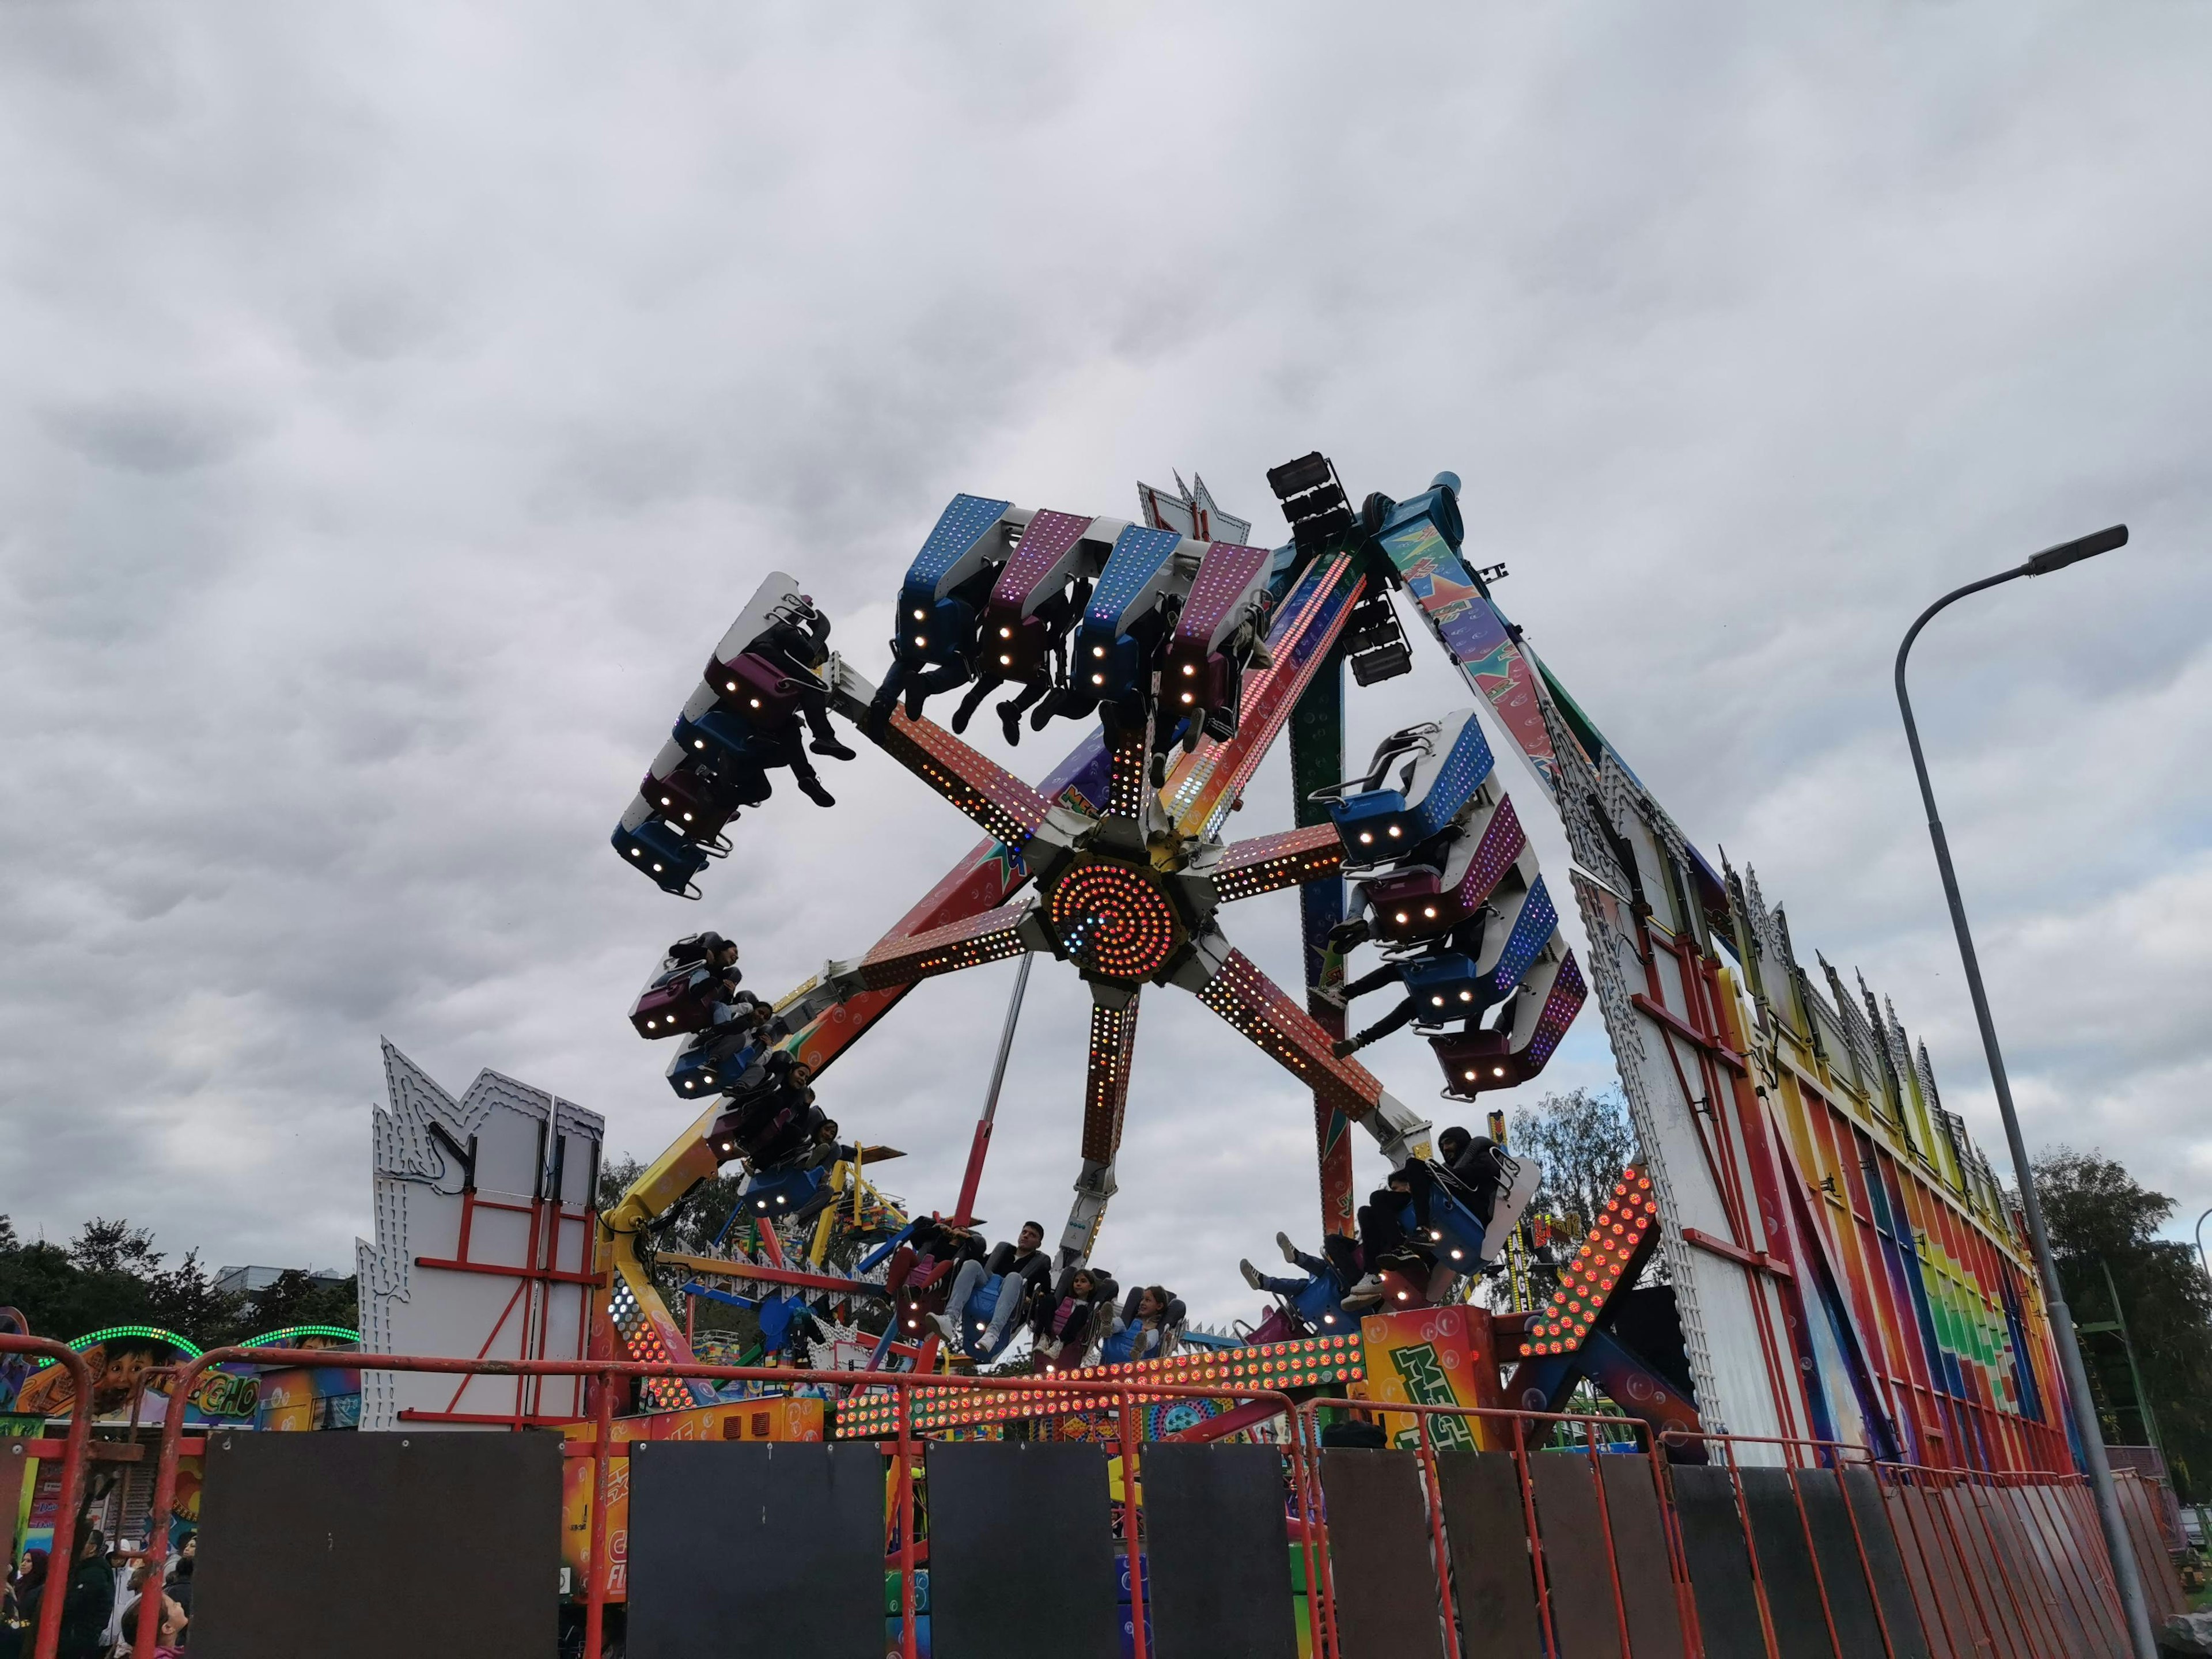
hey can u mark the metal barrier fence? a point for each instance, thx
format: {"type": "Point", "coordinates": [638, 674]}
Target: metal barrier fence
{"type": "Point", "coordinates": [2002, 1565]}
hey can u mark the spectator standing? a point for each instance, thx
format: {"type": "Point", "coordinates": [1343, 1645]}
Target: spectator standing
{"type": "Point", "coordinates": [88, 1601]}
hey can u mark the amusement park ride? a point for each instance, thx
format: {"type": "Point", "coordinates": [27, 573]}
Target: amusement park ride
{"type": "Point", "coordinates": [1838, 1260]}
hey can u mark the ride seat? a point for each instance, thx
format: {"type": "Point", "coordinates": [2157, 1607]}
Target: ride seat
{"type": "Point", "coordinates": [755, 691]}
{"type": "Point", "coordinates": [658, 848]}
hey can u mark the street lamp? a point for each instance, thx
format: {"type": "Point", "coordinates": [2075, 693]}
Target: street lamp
{"type": "Point", "coordinates": [2062, 1322]}
{"type": "Point", "coordinates": [2206, 1265]}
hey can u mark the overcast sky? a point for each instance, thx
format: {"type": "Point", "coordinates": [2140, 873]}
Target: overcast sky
{"type": "Point", "coordinates": [398, 401]}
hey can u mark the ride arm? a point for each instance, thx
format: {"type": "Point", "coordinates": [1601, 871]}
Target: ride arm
{"type": "Point", "coordinates": [1265, 864]}
{"type": "Point", "coordinates": [994, 798]}
{"type": "Point", "coordinates": [1256, 1006]}
{"type": "Point", "coordinates": [970, 942]}
{"type": "Point", "coordinates": [1203, 785]}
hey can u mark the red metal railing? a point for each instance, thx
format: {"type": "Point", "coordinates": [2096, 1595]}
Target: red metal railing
{"type": "Point", "coordinates": [2026, 1627]}
{"type": "Point", "coordinates": [73, 1450]}
{"type": "Point", "coordinates": [1118, 1395]}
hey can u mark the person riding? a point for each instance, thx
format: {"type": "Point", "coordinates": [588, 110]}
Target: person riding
{"type": "Point", "coordinates": [1465, 940]}
{"type": "Point", "coordinates": [1145, 1332]}
{"type": "Point", "coordinates": [1339, 1267]}
{"type": "Point", "coordinates": [1061, 1326]}
{"type": "Point", "coordinates": [1022, 1268]}
{"type": "Point", "coordinates": [797, 640]}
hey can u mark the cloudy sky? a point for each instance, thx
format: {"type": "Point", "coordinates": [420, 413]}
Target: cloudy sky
{"type": "Point", "coordinates": [398, 402]}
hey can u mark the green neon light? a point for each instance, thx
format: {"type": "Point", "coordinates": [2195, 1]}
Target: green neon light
{"type": "Point", "coordinates": [191, 1349]}
{"type": "Point", "coordinates": [283, 1338]}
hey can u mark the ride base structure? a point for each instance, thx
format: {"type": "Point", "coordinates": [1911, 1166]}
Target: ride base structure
{"type": "Point", "coordinates": [1840, 1262]}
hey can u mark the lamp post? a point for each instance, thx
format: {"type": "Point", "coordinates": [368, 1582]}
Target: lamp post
{"type": "Point", "coordinates": [2116, 1544]}
{"type": "Point", "coordinates": [2206, 1265]}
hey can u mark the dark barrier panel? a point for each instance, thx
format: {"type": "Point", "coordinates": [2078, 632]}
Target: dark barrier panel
{"type": "Point", "coordinates": [2045, 1509]}
{"type": "Point", "coordinates": [1951, 1593]}
{"type": "Point", "coordinates": [1383, 1560]}
{"type": "Point", "coordinates": [365, 1546]}
{"type": "Point", "coordinates": [1836, 1550]}
{"type": "Point", "coordinates": [1639, 1548]}
{"type": "Point", "coordinates": [1720, 1567]}
{"type": "Point", "coordinates": [1487, 1529]}
{"type": "Point", "coordinates": [1217, 1551]}
{"type": "Point", "coordinates": [1021, 1551]}
{"type": "Point", "coordinates": [780, 1546]}
{"type": "Point", "coordinates": [1785, 1565]}
{"type": "Point", "coordinates": [1577, 1571]}
{"type": "Point", "coordinates": [1893, 1586]}
{"type": "Point", "coordinates": [1954, 1506]}
{"type": "Point", "coordinates": [2034, 1593]}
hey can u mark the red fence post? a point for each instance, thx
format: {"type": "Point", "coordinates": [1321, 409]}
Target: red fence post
{"type": "Point", "coordinates": [1433, 1489]}
{"type": "Point", "coordinates": [595, 1586]}
{"type": "Point", "coordinates": [908, 1514]}
{"type": "Point", "coordinates": [1131, 1544]}
{"type": "Point", "coordinates": [48, 1635]}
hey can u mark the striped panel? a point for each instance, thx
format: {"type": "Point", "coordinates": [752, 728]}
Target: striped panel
{"type": "Point", "coordinates": [1228, 576]}
{"type": "Point", "coordinates": [966, 522]}
{"type": "Point", "coordinates": [1204, 784]}
{"type": "Point", "coordinates": [1045, 546]}
{"type": "Point", "coordinates": [1137, 558]}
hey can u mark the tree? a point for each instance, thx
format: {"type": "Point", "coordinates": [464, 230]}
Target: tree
{"type": "Point", "coordinates": [2102, 1222]}
{"type": "Point", "coordinates": [1582, 1140]}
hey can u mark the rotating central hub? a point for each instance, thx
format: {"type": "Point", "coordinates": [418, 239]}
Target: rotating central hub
{"type": "Point", "coordinates": [1113, 921]}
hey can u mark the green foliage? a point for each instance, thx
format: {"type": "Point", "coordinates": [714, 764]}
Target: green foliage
{"type": "Point", "coordinates": [2102, 1222]}
{"type": "Point", "coordinates": [1582, 1141]}
{"type": "Point", "coordinates": [111, 1273]}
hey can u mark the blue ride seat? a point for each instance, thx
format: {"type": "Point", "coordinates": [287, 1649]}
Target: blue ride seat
{"type": "Point", "coordinates": [778, 1192]}
{"type": "Point", "coordinates": [712, 1062]}
{"type": "Point", "coordinates": [1321, 1304]}
{"type": "Point", "coordinates": [1455, 1232]}
{"type": "Point", "coordinates": [1447, 985]}
{"type": "Point", "coordinates": [975, 1320]}
{"type": "Point", "coordinates": [1444, 767]}
{"type": "Point", "coordinates": [659, 848]}
{"type": "Point", "coordinates": [726, 741]}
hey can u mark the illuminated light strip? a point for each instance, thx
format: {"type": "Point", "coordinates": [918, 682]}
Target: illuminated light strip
{"type": "Point", "coordinates": [1125, 792]}
{"type": "Point", "coordinates": [1503, 842]}
{"type": "Point", "coordinates": [1044, 543]}
{"type": "Point", "coordinates": [965, 521]}
{"type": "Point", "coordinates": [1313, 1362]}
{"type": "Point", "coordinates": [1249, 1000]}
{"type": "Point", "coordinates": [1106, 1092]}
{"type": "Point", "coordinates": [1565, 1001]}
{"type": "Point", "coordinates": [1006, 806]}
{"type": "Point", "coordinates": [991, 936]}
{"type": "Point", "coordinates": [1226, 573]}
{"type": "Point", "coordinates": [1204, 784]}
{"type": "Point", "coordinates": [1589, 1281]}
{"type": "Point", "coordinates": [1538, 918]}
{"type": "Point", "coordinates": [184, 1345]}
{"type": "Point", "coordinates": [1268, 862]}
{"type": "Point", "coordinates": [284, 1338]}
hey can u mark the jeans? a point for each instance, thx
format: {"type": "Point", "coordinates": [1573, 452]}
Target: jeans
{"type": "Point", "coordinates": [969, 1281]}
{"type": "Point", "coordinates": [1315, 1265]}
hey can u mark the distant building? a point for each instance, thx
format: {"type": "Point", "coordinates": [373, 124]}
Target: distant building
{"type": "Point", "coordinates": [244, 1281]}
